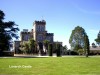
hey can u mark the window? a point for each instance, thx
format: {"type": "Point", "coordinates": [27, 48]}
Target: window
{"type": "Point", "coordinates": [40, 37]}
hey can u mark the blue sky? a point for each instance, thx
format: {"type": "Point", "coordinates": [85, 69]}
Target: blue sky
{"type": "Point", "coordinates": [61, 16]}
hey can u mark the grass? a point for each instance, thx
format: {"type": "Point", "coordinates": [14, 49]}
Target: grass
{"type": "Point", "coordinates": [51, 66]}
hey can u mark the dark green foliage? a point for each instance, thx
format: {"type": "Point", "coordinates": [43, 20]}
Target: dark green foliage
{"type": "Point", "coordinates": [58, 50]}
{"type": "Point", "coordinates": [81, 52]}
{"type": "Point", "coordinates": [77, 35]}
{"type": "Point", "coordinates": [40, 44]}
{"type": "Point", "coordinates": [98, 39]}
{"type": "Point", "coordinates": [50, 48]}
{"type": "Point", "coordinates": [87, 46]}
{"type": "Point", "coordinates": [28, 46]}
{"type": "Point", "coordinates": [77, 47]}
{"type": "Point", "coordinates": [94, 45]}
{"type": "Point", "coordinates": [31, 45]}
{"type": "Point", "coordinates": [46, 42]}
{"type": "Point", "coordinates": [69, 52]}
{"type": "Point", "coordinates": [8, 53]}
{"type": "Point", "coordinates": [79, 40]}
{"type": "Point", "coordinates": [65, 49]}
{"type": "Point", "coordinates": [8, 30]}
{"type": "Point", "coordinates": [24, 47]}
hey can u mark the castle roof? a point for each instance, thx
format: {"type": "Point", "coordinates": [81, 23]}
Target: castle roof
{"type": "Point", "coordinates": [25, 32]}
{"type": "Point", "coordinates": [94, 48]}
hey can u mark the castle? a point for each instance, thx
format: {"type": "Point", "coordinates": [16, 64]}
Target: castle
{"type": "Point", "coordinates": [38, 33]}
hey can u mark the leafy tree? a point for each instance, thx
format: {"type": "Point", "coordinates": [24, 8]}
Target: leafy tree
{"type": "Point", "coordinates": [32, 45]}
{"type": "Point", "coordinates": [94, 45]}
{"type": "Point", "coordinates": [77, 47]}
{"type": "Point", "coordinates": [36, 50]}
{"type": "Point", "coordinates": [81, 52]}
{"type": "Point", "coordinates": [65, 49]}
{"type": "Point", "coordinates": [79, 39]}
{"type": "Point", "coordinates": [58, 49]}
{"type": "Point", "coordinates": [46, 43]}
{"type": "Point", "coordinates": [29, 46]}
{"type": "Point", "coordinates": [86, 45]}
{"type": "Point", "coordinates": [50, 48]}
{"type": "Point", "coordinates": [8, 31]}
{"type": "Point", "coordinates": [98, 39]}
{"type": "Point", "coordinates": [40, 47]}
{"type": "Point", "coordinates": [24, 47]}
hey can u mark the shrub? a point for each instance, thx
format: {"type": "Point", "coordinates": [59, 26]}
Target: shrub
{"type": "Point", "coordinates": [8, 53]}
{"type": "Point", "coordinates": [58, 51]}
{"type": "Point", "coordinates": [50, 49]}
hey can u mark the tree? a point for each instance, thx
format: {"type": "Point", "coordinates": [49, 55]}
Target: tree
{"type": "Point", "coordinates": [32, 45]}
{"type": "Point", "coordinates": [50, 48]}
{"type": "Point", "coordinates": [8, 31]}
{"type": "Point", "coordinates": [46, 43]}
{"type": "Point", "coordinates": [77, 47]}
{"type": "Point", "coordinates": [24, 47]}
{"type": "Point", "coordinates": [86, 45]}
{"type": "Point", "coordinates": [94, 45]}
{"type": "Point", "coordinates": [98, 39]}
{"type": "Point", "coordinates": [29, 46]}
{"type": "Point", "coordinates": [58, 50]}
{"type": "Point", "coordinates": [79, 39]}
{"type": "Point", "coordinates": [36, 50]}
{"type": "Point", "coordinates": [65, 49]}
{"type": "Point", "coordinates": [81, 52]}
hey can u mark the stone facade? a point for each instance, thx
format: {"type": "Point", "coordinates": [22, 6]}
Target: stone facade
{"type": "Point", "coordinates": [38, 32]}
{"type": "Point", "coordinates": [16, 46]}
{"type": "Point", "coordinates": [25, 36]}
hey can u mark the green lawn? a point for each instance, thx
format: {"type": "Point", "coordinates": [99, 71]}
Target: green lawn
{"type": "Point", "coordinates": [51, 66]}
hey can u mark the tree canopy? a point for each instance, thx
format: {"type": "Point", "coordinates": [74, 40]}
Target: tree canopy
{"type": "Point", "coordinates": [8, 31]}
{"type": "Point", "coordinates": [32, 45]}
{"type": "Point", "coordinates": [98, 39]}
{"type": "Point", "coordinates": [79, 39]}
{"type": "Point", "coordinates": [46, 43]}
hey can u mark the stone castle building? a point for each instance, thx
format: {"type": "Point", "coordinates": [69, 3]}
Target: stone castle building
{"type": "Point", "coordinates": [38, 33]}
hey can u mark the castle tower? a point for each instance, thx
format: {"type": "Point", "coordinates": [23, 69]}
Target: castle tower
{"type": "Point", "coordinates": [39, 30]}
{"type": "Point", "coordinates": [25, 35]}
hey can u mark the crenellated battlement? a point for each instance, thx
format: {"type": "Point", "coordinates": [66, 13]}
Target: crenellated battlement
{"type": "Point", "coordinates": [49, 34]}
{"type": "Point", "coordinates": [25, 32]}
{"type": "Point", "coordinates": [43, 22]}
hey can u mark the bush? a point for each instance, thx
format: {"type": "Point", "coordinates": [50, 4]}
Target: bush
{"type": "Point", "coordinates": [81, 52]}
{"type": "Point", "coordinates": [50, 49]}
{"type": "Point", "coordinates": [8, 53]}
{"type": "Point", "coordinates": [69, 52]}
{"type": "Point", "coordinates": [58, 51]}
